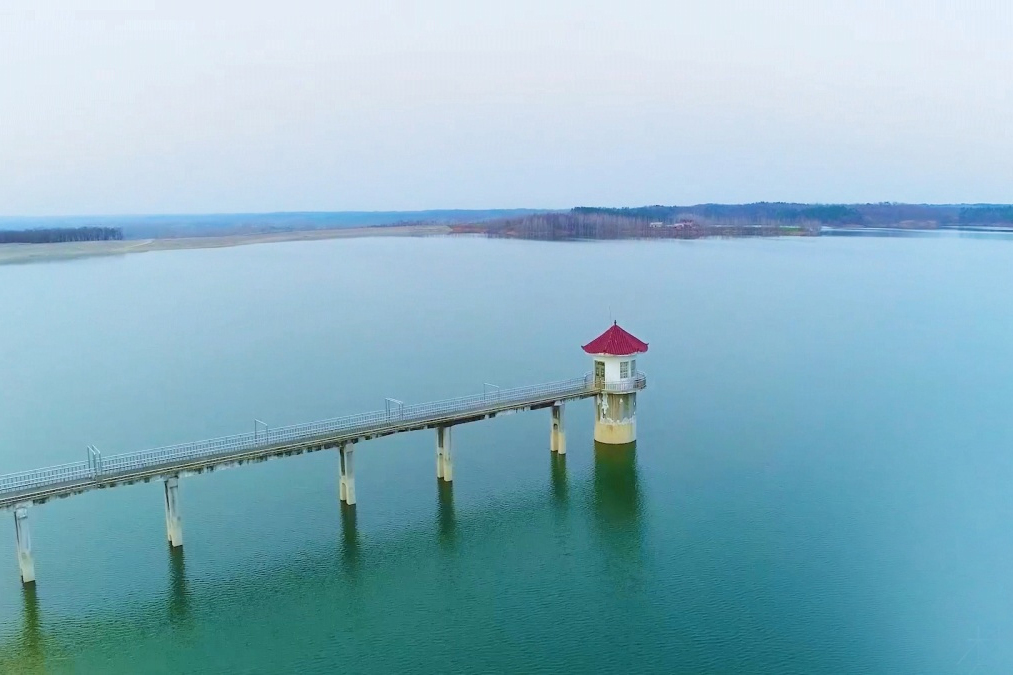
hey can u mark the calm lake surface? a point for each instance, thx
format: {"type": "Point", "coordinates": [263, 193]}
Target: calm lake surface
{"type": "Point", "coordinates": [823, 481]}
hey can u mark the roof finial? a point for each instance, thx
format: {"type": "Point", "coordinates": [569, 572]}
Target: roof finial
{"type": "Point", "coordinates": [615, 323]}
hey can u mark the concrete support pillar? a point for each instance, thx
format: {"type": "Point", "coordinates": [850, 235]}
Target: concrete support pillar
{"type": "Point", "coordinates": [173, 522]}
{"type": "Point", "coordinates": [346, 481]}
{"type": "Point", "coordinates": [24, 543]}
{"type": "Point", "coordinates": [557, 441]}
{"type": "Point", "coordinates": [444, 458]}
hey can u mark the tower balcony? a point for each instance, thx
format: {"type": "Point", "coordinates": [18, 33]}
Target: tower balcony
{"type": "Point", "coordinates": [623, 386]}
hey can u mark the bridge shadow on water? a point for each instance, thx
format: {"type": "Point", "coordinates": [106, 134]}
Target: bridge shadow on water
{"type": "Point", "coordinates": [26, 651]}
{"type": "Point", "coordinates": [446, 525]}
{"type": "Point", "coordinates": [179, 592]}
{"type": "Point", "coordinates": [31, 636]}
{"type": "Point", "coordinates": [560, 481]}
{"type": "Point", "coordinates": [610, 499]}
{"type": "Point", "coordinates": [446, 518]}
{"type": "Point", "coordinates": [349, 535]}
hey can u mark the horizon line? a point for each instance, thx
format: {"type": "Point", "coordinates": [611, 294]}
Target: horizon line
{"type": "Point", "coordinates": [197, 214]}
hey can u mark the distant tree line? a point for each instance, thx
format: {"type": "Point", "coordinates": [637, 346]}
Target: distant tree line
{"type": "Point", "coordinates": [60, 234]}
{"type": "Point", "coordinates": [769, 212]}
{"type": "Point", "coordinates": [987, 215]}
{"type": "Point", "coordinates": [883, 214]}
{"type": "Point", "coordinates": [553, 226]}
{"type": "Point", "coordinates": [604, 225]}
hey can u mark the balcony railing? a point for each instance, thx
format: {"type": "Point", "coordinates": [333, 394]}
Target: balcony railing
{"type": "Point", "coordinates": [635, 383]}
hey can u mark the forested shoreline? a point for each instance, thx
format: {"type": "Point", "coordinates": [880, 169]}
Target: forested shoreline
{"type": "Point", "coordinates": [762, 219]}
{"type": "Point", "coordinates": [600, 225]}
{"type": "Point", "coordinates": [60, 235]}
{"type": "Point", "coordinates": [883, 214]}
{"type": "Point", "coordinates": [582, 222]}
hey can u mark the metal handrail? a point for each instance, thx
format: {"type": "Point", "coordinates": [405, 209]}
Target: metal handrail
{"type": "Point", "coordinates": [635, 383]}
{"type": "Point", "coordinates": [54, 474]}
{"type": "Point", "coordinates": [365, 422]}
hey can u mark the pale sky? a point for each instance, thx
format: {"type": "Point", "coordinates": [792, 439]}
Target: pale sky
{"type": "Point", "coordinates": [199, 107]}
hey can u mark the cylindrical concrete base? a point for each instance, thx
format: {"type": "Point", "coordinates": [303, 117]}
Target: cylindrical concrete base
{"type": "Point", "coordinates": [618, 433]}
{"type": "Point", "coordinates": [615, 422]}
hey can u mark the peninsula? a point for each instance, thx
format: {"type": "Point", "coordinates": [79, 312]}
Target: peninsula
{"type": "Point", "coordinates": [26, 253]}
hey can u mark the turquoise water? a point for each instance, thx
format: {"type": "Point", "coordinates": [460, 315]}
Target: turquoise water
{"type": "Point", "coordinates": [821, 485]}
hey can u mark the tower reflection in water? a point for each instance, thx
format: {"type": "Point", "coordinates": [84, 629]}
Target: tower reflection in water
{"type": "Point", "coordinates": [617, 505]}
{"type": "Point", "coordinates": [560, 486]}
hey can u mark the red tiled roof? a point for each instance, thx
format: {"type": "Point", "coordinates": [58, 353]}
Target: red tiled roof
{"type": "Point", "coordinates": [615, 342]}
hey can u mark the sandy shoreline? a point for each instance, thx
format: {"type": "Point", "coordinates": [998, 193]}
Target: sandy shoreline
{"type": "Point", "coordinates": [26, 253]}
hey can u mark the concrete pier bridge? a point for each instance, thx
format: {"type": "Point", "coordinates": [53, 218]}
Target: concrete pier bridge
{"type": "Point", "coordinates": [19, 491]}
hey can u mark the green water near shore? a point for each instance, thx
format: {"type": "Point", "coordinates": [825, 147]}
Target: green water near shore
{"type": "Point", "coordinates": [821, 482]}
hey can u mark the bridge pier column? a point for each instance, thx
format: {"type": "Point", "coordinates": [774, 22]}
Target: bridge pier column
{"type": "Point", "coordinates": [24, 543]}
{"type": "Point", "coordinates": [557, 440]}
{"type": "Point", "coordinates": [173, 522]}
{"type": "Point", "coordinates": [346, 467]}
{"type": "Point", "coordinates": [444, 458]}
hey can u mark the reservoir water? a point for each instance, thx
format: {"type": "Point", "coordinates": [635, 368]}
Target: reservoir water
{"type": "Point", "coordinates": [822, 482]}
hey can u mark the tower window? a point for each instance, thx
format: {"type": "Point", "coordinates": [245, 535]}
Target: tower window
{"type": "Point", "coordinates": [633, 367]}
{"type": "Point", "coordinates": [624, 369]}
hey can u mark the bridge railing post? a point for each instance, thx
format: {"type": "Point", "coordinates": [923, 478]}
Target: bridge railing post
{"type": "Point", "coordinates": [395, 406]}
{"type": "Point", "coordinates": [256, 431]}
{"type": "Point", "coordinates": [94, 460]}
